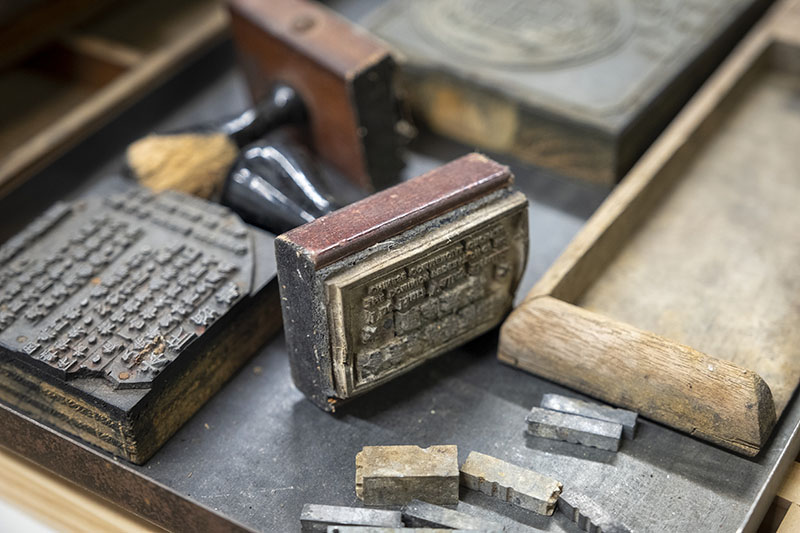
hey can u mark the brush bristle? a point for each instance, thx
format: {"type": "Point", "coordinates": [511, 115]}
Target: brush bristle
{"type": "Point", "coordinates": [192, 163]}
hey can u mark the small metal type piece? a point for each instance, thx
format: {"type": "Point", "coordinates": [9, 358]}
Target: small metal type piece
{"type": "Point", "coordinates": [317, 518]}
{"type": "Point", "coordinates": [589, 516]}
{"type": "Point", "coordinates": [378, 287]}
{"type": "Point", "coordinates": [356, 529]}
{"type": "Point", "coordinates": [120, 308]}
{"type": "Point", "coordinates": [423, 514]}
{"type": "Point", "coordinates": [396, 475]}
{"type": "Point", "coordinates": [516, 485]}
{"type": "Point", "coordinates": [565, 404]}
{"type": "Point", "coordinates": [574, 428]}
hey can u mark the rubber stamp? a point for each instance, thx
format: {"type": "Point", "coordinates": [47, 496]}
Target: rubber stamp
{"type": "Point", "coordinates": [117, 315]}
{"type": "Point", "coordinates": [565, 404]}
{"type": "Point", "coordinates": [577, 429]}
{"type": "Point", "coordinates": [376, 288]}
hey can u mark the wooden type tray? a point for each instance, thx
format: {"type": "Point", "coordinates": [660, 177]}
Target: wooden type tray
{"type": "Point", "coordinates": [258, 450]}
{"type": "Point", "coordinates": [70, 87]}
{"type": "Point", "coordinates": [680, 298]}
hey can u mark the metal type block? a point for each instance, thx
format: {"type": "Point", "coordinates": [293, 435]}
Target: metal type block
{"type": "Point", "coordinates": [396, 475]}
{"type": "Point", "coordinates": [587, 514]}
{"type": "Point", "coordinates": [510, 483]}
{"type": "Point", "coordinates": [565, 404]}
{"type": "Point", "coordinates": [356, 529]}
{"type": "Point", "coordinates": [574, 428]}
{"type": "Point", "coordinates": [580, 86]}
{"type": "Point", "coordinates": [378, 287]}
{"type": "Point", "coordinates": [423, 514]}
{"type": "Point", "coordinates": [121, 309]}
{"type": "Point", "coordinates": [317, 518]}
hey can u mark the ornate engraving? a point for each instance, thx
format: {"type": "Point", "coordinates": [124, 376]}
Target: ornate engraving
{"type": "Point", "coordinates": [450, 285]}
{"type": "Point", "coordinates": [523, 32]}
{"type": "Point", "coordinates": [128, 292]}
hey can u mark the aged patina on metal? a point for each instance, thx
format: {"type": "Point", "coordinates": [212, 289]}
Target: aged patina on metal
{"type": "Point", "coordinates": [397, 475]}
{"type": "Point", "coordinates": [511, 483]}
{"type": "Point", "coordinates": [579, 86]}
{"type": "Point", "coordinates": [115, 312]}
{"type": "Point", "coordinates": [317, 518]}
{"type": "Point", "coordinates": [378, 287]}
{"type": "Point", "coordinates": [424, 514]}
{"type": "Point", "coordinates": [574, 428]}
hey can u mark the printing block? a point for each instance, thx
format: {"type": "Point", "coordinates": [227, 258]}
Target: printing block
{"type": "Point", "coordinates": [121, 316]}
{"type": "Point", "coordinates": [579, 86]}
{"type": "Point", "coordinates": [376, 288]}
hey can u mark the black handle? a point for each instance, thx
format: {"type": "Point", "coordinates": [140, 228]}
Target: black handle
{"type": "Point", "coordinates": [282, 106]}
{"type": "Point", "coordinates": [276, 185]}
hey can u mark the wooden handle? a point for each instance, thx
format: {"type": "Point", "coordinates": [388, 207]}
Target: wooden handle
{"type": "Point", "coordinates": [664, 381]}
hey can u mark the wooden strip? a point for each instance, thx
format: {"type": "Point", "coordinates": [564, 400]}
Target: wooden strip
{"type": "Point", "coordinates": [64, 133]}
{"type": "Point", "coordinates": [30, 29]}
{"type": "Point", "coordinates": [681, 387]}
{"type": "Point", "coordinates": [104, 49]}
{"type": "Point", "coordinates": [790, 489]}
{"type": "Point", "coordinates": [625, 209]}
{"type": "Point", "coordinates": [61, 504]}
{"type": "Point", "coordinates": [791, 521]}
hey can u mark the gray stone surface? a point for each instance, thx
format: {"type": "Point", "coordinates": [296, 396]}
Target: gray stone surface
{"type": "Point", "coordinates": [423, 514]}
{"type": "Point", "coordinates": [396, 475]}
{"type": "Point", "coordinates": [317, 518]}
{"type": "Point", "coordinates": [566, 404]}
{"type": "Point", "coordinates": [574, 428]}
{"type": "Point", "coordinates": [513, 484]}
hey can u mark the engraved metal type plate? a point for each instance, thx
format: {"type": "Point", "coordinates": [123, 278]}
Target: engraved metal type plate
{"type": "Point", "coordinates": [100, 298]}
{"type": "Point", "coordinates": [117, 289]}
{"type": "Point", "coordinates": [580, 86]}
{"type": "Point", "coordinates": [391, 312]}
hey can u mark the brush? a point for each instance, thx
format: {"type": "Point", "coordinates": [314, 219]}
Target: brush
{"type": "Point", "coordinates": [198, 160]}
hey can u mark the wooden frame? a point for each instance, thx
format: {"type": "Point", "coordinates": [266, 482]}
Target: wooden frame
{"type": "Point", "coordinates": [73, 86]}
{"type": "Point", "coordinates": [627, 313]}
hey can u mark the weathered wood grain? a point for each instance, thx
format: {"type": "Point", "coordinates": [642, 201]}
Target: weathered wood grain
{"type": "Point", "coordinates": [673, 384]}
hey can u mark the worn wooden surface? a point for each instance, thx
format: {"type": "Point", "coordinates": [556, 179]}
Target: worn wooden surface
{"type": "Point", "coordinates": [69, 89]}
{"type": "Point", "coordinates": [60, 503]}
{"type": "Point", "coordinates": [692, 261]}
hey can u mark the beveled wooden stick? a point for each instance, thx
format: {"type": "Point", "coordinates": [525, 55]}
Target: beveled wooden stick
{"type": "Point", "coordinates": [686, 389]}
